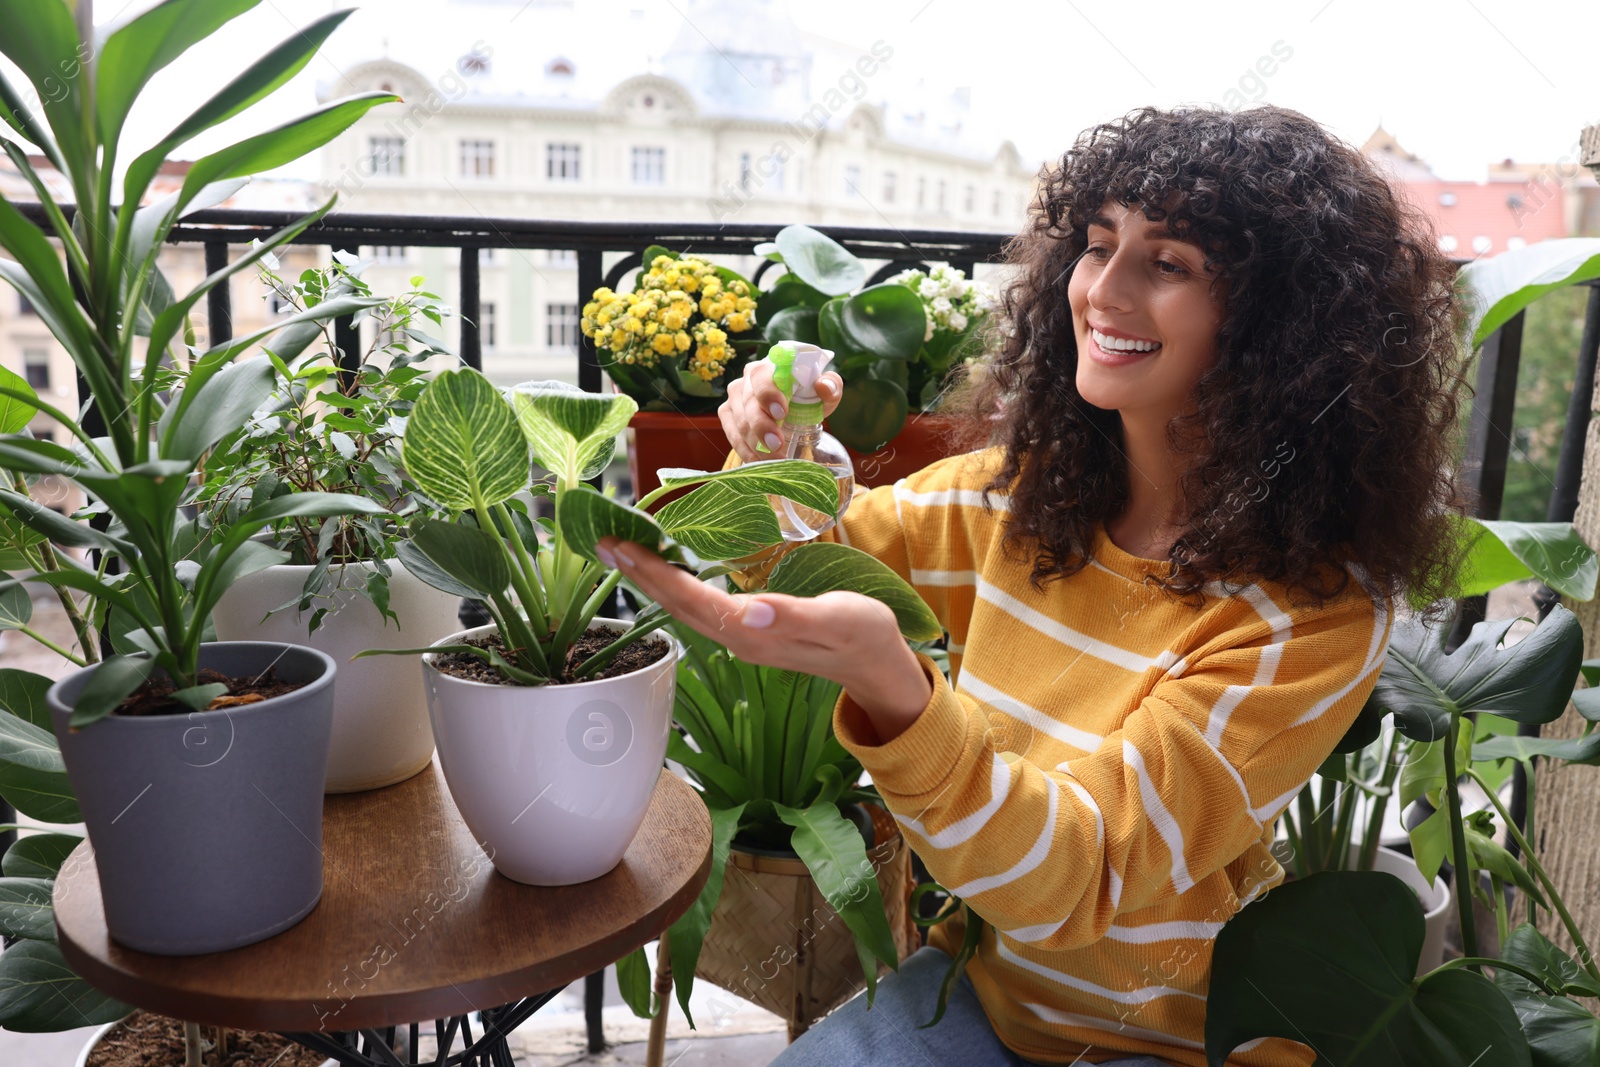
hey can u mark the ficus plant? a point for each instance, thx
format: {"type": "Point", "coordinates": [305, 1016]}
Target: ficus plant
{"type": "Point", "coordinates": [875, 332]}
{"type": "Point", "coordinates": [471, 448]}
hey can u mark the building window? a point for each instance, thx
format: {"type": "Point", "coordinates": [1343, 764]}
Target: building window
{"type": "Point", "coordinates": [486, 324]}
{"type": "Point", "coordinates": [997, 203]}
{"type": "Point", "coordinates": [44, 433]}
{"type": "Point", "coordinates": [939, 202]}
{"type": "Point", "coordinates": [561, 257]}
{"type": "Point", "coordinates": [388, 156]}
{"type": "Point", "coordinates": [488, 257]}
{"type": "Point", "coordinates": [389, 253]}
{"type": "Point", "coordinates": [1447, 242]}
{"type": "Point", "coordinates": [278, 304]}
{"type": "Point", "coordinates": [649, 166]}
{"type": "Point", "coordinates": [1514, 243]}
{"type": "Point", "coordinates": [561, 326]}
{"type": "Point", "coordinates": [562, 162]}
{"type": "Point", "coordinates": [477, 159]}
{"type": "Point", "coordinates": [922, 193]}
{"type": "Point", "coordinates": [24, 306]}
{"type": "Point", "coordinates": [888, 186]}
{"type": "Point", "coordinates": [744, 172]}
{"type": "Point", "coordinates": [36, 368]}
{"type": "Point", "coordinates": [970, 204]}
{"type": "Point", "coordinates": [852, 180]}
{"type": "Point", "coordinates": [1481, 244]}
{"type": "Point", "coordinates": [777, 173]}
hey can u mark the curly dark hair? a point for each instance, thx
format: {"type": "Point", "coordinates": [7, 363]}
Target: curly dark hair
{"type": "Point", "coordinates": [1325, 431]}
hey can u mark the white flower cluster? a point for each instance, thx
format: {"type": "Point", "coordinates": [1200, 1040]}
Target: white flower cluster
{"type": "Point", "coordinates": [952, 302]}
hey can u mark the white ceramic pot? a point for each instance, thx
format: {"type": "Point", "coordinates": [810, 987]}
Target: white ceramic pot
{"type": "Point", "coordinates": [554, 780]}
{"type": "Point", "coordinates": [380, 720]}
{"type": "Point", "coordinates": [1435, 897]}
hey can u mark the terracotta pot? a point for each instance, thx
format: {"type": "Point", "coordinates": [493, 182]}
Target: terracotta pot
{"type": "Point", "coordinates": [775, 941]}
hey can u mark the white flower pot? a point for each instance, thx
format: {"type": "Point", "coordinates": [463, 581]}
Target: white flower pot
{"type": "Point", "coordinates": [554, 780]}
{"type": "Point", "coordinates": [380, 720]}
{"type": "Point", "coordinates": [1435, 897]}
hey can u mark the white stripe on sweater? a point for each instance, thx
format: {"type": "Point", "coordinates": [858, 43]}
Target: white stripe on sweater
{"type": "Point", "coordinates": [1375, 650]}
{"type": "Point", "coordinates": [1150, 933]}
{"type": "Point", "coordinates": [943, 578]}
{"type": "Point", "coordinates": [1159, 817]}
{"type": "Point", "coordinates": [1113, 1026]}
{"type": "Point", "coordinates": [945, 497]}
{"type": "Point", "coordinates": [1043, 623]}
{"type": "Point", "coordinates": [1034, 857]}
{"type": "Point", "coordinates": [976, 687]}
{"type": "Point", "coordinates": [1132, 996]}
{"type": "Point", "coordinates": [964, 829]}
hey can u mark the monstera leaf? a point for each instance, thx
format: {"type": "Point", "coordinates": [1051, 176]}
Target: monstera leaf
{"type": "Point", "coordinates": [1327, 961]}
{"type": "Point", "coordinates": [1529, 682]}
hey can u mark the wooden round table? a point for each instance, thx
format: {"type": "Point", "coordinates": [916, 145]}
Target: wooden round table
{"type": "Point", "coordinates": [414, 924]}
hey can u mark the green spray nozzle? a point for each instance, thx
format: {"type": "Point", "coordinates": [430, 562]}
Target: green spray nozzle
{"type": "Point", "coordinates": [782, 357]}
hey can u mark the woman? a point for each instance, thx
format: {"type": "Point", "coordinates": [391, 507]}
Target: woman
{"type": "Point", "coordinates": [1223, 406]}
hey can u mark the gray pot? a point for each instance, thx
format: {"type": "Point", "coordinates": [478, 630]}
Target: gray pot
{"type": "Point", "coordinates": [207, 826]}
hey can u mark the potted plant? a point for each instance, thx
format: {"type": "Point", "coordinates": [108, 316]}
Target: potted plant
{"type": "Point", "coordinates": [197, 766]}
{"type": "Point", "coordinates": [803, 837]}
{"type": "Point", "coordinates": [342, 589]}
{"type": "Point", "coordinates": [1336, 948]}
{"type": "Point", "coordinates": [550, 699]}
{"type": "Point", "coordinates": [673, 344]}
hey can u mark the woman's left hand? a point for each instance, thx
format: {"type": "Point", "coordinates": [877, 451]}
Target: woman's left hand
{"type": "Point", "coordinates": [842, 636]}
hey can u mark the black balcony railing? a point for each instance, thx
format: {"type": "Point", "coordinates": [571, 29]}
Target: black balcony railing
{"type": "Point", "coordinates": [1489, 437]}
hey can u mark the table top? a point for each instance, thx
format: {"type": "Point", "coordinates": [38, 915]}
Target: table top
{"type": "Point", "coordinates": [414, 922]}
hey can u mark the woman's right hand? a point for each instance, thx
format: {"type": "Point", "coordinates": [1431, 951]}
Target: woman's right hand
{"type": "Point", "coordinates": [755, 408]}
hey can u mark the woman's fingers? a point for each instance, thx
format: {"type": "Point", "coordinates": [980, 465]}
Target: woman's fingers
{"type": "Point", "coordinates": [753, 413]}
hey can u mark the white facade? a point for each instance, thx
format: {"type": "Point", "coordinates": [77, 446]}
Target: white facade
{"type": "Point", "coordinates": [753, 123]}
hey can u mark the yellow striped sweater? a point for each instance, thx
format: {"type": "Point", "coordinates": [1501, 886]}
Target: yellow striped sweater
{"type": "Point", "coordinates": [1101, 780]}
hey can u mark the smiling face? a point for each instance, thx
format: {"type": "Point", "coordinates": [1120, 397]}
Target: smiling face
{"type": "Point", "coordinates": [1147, 296]}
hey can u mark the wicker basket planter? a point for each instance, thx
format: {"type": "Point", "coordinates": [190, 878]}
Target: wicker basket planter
{"type": "Point", "coordinates": [776, 942]}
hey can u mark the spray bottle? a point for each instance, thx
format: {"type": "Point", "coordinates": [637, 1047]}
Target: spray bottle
{"type": "Point", "coordinates": [797, 366]}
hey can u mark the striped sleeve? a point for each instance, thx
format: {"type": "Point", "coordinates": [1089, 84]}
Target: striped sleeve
{"type": "Point", "coordinates": [1050, 855]}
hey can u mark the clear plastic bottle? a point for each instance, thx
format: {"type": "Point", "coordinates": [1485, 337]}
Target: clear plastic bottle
{"type": "Point", "coordinates": [797, 366]}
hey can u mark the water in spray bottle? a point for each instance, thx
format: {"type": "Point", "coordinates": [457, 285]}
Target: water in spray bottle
{"type": "Point", "coordinates": [797, 366]}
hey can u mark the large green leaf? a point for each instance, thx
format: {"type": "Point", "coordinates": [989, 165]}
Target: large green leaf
{"type": "Point", "coordinates": [804, 482]}
{"type": "Point", "coordinates": [16, 606]}
{"type": "Point", "coordinates": [45, 795]}
{"type": "Point", "coordinates": [282, 144]}
{"type": "Point", "coordinates": [40, 994]}
{"type": "Point", "coordinates": [834, 853]}
{"type": "Point", "coordinates": [42, 40]}
{"type": "Point", "coordinates": [147, 42]}
{"type": "Point", "coordinates": [15, 112]}
{"type": "Point", "coordinates": [886, 320]}
{"type": "Point", "coordinates": [633, 982]}
{"type": "Point", "coordinates": [462, 443]}
{"type": "Point", "coordinates": [15, 414]}
{"type": "Point", "coordinates": [1328, 960]}
{"type": "Point", "coordinates": [1532, 951]}
{"type": "Point", "coordinates": [220, 406]}
{"type": "Point", "coordinates": [573, 433]}
{"type": "Point", "coordinates": [1503, 551]}
{"type": "Point", "coordinates": [823, 566]}
{"type": "Point", "coordinates": [718, 522]}
{"type": "Point", "coordinates": [474, 558]}
{"type": "Point", "coordinates": [1502, 285]}
{"type": "Point", "coordinates": [431, 573]}
{"type": "Point", "coordinates": [25, 909]}
{"type": "Point", "coordinates": [1560, 1031]}
{"type": "Point", "coordinates": [22, 694]}
{"type": "Point", "coordinates": [688, 934]}
{"type": "Point", "coordinates": [870, 412]}
{"type": "Point", "coordinates": [788, 291]}
{"type": "Point", "coordinates": [23, 744]}
{"type": "Point", "coordinates": [820, 261]}
{"type": "Point", "coordinates": [39, 275]}
{"type": "Point", "coordinates": [110, 684]}
{"type": "Point", "coordinates": [798, 323]}
{"type": "Point", "coordinates": [586, 515]}
{"type": "Point", "coordinates": [1585, 749]}
{"type": "Point", "coordinates": [38, 855]}
{"type": "Point", "coordinates": [1529, 681]}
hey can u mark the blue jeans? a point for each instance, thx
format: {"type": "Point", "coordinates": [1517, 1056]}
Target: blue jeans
{"type": "Point", "coordinates": [887, 1036]}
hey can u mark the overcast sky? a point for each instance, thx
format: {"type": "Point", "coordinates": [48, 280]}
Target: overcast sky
{"type": "Point", "coordinates": [1460, 82]}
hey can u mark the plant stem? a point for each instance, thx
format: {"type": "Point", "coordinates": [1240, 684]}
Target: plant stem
{"type": "Point", "coordinates": [1380, 803]}
{"type": "Point", "coordinates": [1308, 831]}
{"type": "Point", "coordinates": [1527, 850]}
{"type": "Point", "coordinates": [1476, 962]}
{"type": "Point", "coordinates": [30, 632]}
{"type": "Point", "coordinates": [524, 577]}
{"type": "Point", "coordinates": [1325, 858]}
{"type": "Point", "coordinates": [1296, 857]}
{"type": "Point", "coordinates": [1539, 872]}
{"type": "Point", "coordinates": [1458, 843]}
{"type": "Point", "coordinates": [1502, 926]}
{"type": "Point", "coordinates": [1340, 859]}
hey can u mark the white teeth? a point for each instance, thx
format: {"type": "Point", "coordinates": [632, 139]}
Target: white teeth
{"type": "Point", "coordinates": [1117, 344]}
